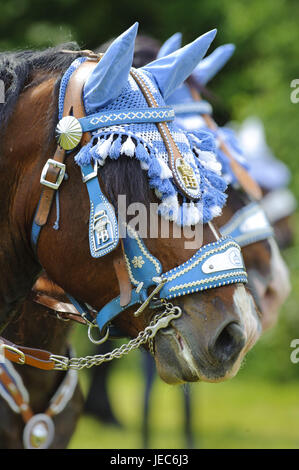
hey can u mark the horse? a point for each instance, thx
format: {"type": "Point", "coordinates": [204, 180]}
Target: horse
{"type": "Point", "coordinates": [212, 327]}
{"type": "Point", "coordinates": [262, 258]}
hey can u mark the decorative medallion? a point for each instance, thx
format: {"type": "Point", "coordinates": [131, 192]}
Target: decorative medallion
{"type": "Point", "coordinates": [103, 234]}
{"type": "Point", "coordinates": [38, 432]}
{"type": "Point", "coordinates": [137, 261]}
{"type": "Point", "coordinates": [68, 132]}
{"type": "Point", "coordinates": [187, 178]}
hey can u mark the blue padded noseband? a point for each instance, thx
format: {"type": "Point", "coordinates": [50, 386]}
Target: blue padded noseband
{"type": "Point", "coordinates": [248, 225]}
{"type": "Point", "coordinates": [213, 265]}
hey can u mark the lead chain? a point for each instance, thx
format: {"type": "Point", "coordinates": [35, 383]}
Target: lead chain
{"type": "Point", "coordinates": [161, 320]}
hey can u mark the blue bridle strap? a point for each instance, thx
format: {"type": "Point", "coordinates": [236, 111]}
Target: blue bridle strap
{"type": "Point", "coordinates": [200, 107]}
{"type": "Point", "coordinates": [103, 226]}
{"type": "Point", "coordinates": [248, 225]}
{"type": "Point", "coordinates": [213, 265]}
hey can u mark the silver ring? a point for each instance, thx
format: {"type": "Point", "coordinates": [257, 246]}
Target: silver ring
{"type": "Point", "coordinates": [100, 341]}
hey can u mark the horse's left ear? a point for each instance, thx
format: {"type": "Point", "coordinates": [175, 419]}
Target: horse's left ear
{"type": "Point", "coordinates": [172, 44]}
{"type": "Point", "coordinates": [110, 76]}
{"type": "Point", "coordinates": [172, 70]}
{"type": "Point", "coordinates": [211, 65]}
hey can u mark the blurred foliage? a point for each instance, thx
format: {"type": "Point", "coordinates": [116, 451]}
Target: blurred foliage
{"type": "Point", "coordinates": [255, 81]}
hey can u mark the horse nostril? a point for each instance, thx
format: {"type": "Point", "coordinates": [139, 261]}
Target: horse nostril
{"type": "Point", "coordinates": [228, 344]}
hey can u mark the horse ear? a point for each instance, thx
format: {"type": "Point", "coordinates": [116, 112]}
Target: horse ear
{"type": "Point", "coordinates": [211, 65]}
{"type": "Point", "coordinates": [110, 76]}
{"type": "Point", "coordinates": [172, 44]}
{"type": "Point", "coordinates": [172, 70]}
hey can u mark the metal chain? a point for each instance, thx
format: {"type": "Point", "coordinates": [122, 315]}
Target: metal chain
{"type": "Point", "coordinates": [161, 320]}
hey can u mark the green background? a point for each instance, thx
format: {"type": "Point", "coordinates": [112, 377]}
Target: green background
{"type": "Point", "coordinates": [260, 407]}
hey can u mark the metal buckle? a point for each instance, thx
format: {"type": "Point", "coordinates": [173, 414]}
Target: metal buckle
{"type": "Point", "coordinates": [91, 175]}
{"type": "Point", "coordinates": [60, 176]}
{"type": "Point", "coordinates": [22, 357]}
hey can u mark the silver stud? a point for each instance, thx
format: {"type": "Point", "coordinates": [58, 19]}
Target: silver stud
{"type": "Point", "coordinates": [68, 132]}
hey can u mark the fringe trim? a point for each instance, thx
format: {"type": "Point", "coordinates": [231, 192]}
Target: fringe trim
{"type": "Point", "coordinates": [207, 169]}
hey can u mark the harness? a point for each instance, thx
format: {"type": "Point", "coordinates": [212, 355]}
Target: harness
{"type": "Point", "coordinates": [213, 265]}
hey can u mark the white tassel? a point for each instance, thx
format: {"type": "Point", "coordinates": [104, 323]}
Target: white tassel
{"type": "Point", "coordinates": [165, 170]}
{"type": "Point", "coordinates": [103, 148]}
{"type": "Point", "coordinates": [170, 203]}
{"type": "Point", "coordinates": [128, 147]}
{"type": "Point", "coordinates": [209, 160]}
{"type": "Point", "coordinates": [216, 211]}
{"type": "Point", "coordinates": [144, 166]}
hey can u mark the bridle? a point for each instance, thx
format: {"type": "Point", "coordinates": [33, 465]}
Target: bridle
{"type": "Point", "coordinates": [213, 265]}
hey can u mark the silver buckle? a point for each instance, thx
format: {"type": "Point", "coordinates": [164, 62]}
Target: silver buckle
{"type": "Point", "coordinates": [91, 175]}
{"type": "Point", "coordinates": [60, 176]}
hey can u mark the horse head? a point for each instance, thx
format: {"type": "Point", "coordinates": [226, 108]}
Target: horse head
{"type": "Point", "coordinates": [242, 218]}
{"type": "Point", "coordinates": [129, 147]}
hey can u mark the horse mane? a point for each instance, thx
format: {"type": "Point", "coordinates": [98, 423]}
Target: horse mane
{"type": "Point", "coordinates": [18, 70]}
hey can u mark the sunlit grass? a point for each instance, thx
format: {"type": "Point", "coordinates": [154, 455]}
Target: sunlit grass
{"type": "Point", "coordinates": [241, 413]}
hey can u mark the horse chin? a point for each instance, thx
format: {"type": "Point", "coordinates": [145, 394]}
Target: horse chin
{"type": "Point", "coordinates": [180, 357]}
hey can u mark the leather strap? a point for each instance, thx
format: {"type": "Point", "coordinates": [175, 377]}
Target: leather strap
{"type": "Point", "coordinates": [242, 175]}
{"type": "Point", "coordinates": [125, 287]}
{"type": "Point", "coordinates": [172, 149]}
{"type": "Point", "coordinates": [73, 104]}
{"type": "Point", "coordinates": [16, 395]}
{"type": "Point", "coordinates": [22, 355]}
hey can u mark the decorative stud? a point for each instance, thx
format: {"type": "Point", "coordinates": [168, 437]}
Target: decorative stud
{"type": "Point", "coordinates": [68, 132]}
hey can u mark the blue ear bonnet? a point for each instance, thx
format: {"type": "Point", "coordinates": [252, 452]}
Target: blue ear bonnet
{"type": "Point", "coordinates": [189, 117]}
{"type": "Point", "coordinates": [144, 142]}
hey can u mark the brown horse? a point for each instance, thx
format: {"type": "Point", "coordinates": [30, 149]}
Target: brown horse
{"type": "Point", "coordinates": [217, 327]}
{"type": "Point", "coordinates": [262, 259]}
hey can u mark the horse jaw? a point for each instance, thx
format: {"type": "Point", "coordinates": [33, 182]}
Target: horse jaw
{"type": "Point", "coordinates": [177, 360]}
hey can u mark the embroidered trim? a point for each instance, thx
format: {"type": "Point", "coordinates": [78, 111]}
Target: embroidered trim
{"type": "Point", "coordinates": [106, 118]}
{"type": "Point", "coordinates": [207, 280]}
{"type": "Point", "coordinates": [199, 260]}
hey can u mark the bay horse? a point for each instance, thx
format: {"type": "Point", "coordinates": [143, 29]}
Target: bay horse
{"type": "Point", "coordinates": [268, 274]}
{"type": "Point", "coordinates": [210, 330]}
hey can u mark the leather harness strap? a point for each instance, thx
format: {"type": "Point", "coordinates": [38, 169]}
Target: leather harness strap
{"type": "Point", "coordinates": [38, 358]}
{"type": "Point", "coordinates": [172, 149]}
{"type": "Point", "coordinates": [72, 104]}
{"type": "Point", "coordinates": [242, 175]}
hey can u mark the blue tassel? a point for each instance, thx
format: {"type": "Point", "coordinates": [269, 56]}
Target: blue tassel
{"type": "Point", "coordinates": [115, 148]}
{"type": "Point", "coordinates": [154, 170]}
{"type": "Point", "coordinates": [141, 153]}
{"type": "Point", "coordinates": [83, 156]}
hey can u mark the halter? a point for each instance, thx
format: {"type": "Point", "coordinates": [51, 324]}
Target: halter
{"type": "Point", "coordinates": [213, 265]}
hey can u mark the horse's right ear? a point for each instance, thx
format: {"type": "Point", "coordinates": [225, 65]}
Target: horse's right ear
{"type": "Point", "coordinates": [110, 76]}
{"type": "Point", "coordinates": [172, 44]}
{"type": "Point", "coordinates": [172, 70]}
{"type": "Point", "coordinates": [210, 65]}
